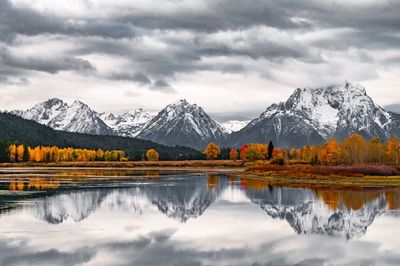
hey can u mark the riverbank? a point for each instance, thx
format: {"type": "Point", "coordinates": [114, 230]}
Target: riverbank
{"type": "Point", "coordinates": [293, 175]}
{"type": "Point", "coordinates": [363, 176]}
{"type": "Point", "coordinates": [131, 164]}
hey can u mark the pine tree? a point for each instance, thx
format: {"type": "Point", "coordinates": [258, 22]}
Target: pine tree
{"type": "Point", "coordinates": [270, 151]}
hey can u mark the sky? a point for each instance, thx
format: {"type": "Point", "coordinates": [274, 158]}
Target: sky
{"type": "Point", "coordinates": [234, 58]}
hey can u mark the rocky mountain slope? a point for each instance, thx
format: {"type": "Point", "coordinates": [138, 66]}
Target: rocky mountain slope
{"type": "Point", "coordinates": [129, 124]}
{"type": "Point", "coordinates": [234, 125]}
{"type": "Point", "coordinates": [313, 115]}
{"type": "Point", "coordinates": [57, 114]}
{"type": "Point", "coordinates": [182, 123]}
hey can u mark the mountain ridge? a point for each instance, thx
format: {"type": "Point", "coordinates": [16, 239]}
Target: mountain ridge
{"type": "Point", "coordinates": [309, 116]}
{"type": "Point", "coordinates": [184, 124]}
{"type": "Point", "coordinates": [313, 115]}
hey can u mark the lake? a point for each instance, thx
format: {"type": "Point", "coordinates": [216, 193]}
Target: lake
{"type": "Point", "coordinates": [125, 217]}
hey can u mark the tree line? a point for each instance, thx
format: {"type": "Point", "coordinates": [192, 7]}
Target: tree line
{"type": "Point", "coordinates": [248, 152]}
{"type": "Point", "coordinates": [353, 150]}
{"type": "Point", "coordinates": [23, 153]}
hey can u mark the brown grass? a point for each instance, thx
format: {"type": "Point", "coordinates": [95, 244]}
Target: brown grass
{"type": "Point", "coordinates": [333, 171]}
{"type": "Point", "coordinates": [353, 177]}
{"type": "Point", "coordinates": [129, 164]}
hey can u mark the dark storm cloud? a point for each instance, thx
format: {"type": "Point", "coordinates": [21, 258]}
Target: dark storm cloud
{"type": "Point", "coordinates": [28, 22]}
{"type": "Point", "coordinates": [219, 15]}
{"type": "Point", "coordinates": [189, 36]}
{"type": "Point", "coordinates": [24, 21]}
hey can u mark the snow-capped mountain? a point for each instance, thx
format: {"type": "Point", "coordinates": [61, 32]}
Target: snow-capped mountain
{"type": "Point", "coordinates": [129, 124]}
{"type": "Point", "coordinates": [43, 112]}
{"type": "Point", "coordinates": [183, 124]}
{"type": "Point", "coordinates": [234, 125]}
{"type": "Point", "coordinates": [58, 115]}
{"type": "Point", "coordinates": [313, 115]}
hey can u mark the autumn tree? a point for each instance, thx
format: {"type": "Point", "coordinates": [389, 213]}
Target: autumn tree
{"type": "Point", "coordinates": [329, 153]}
{"type": "Point", "coordinates": [392, 151]}
{"type": "Point", "coordinates": [233, 154]}
{"type": "Point", "coordinates": [242, 151]}
{"type": "Point", "coordinates": [20, 153]}
{"type": "Point", "coordinates": [152, 155]}
{"type": "Point", "coordinates": [252, 154]}
{"type": "Point", "coordinates": [353, 149]}
{"type": "Point", "coordinates": [375, 150]}
{"type": "Point", "coordinates": [12, 152]}
{"type": "Point", "coordinates": [212, 151]}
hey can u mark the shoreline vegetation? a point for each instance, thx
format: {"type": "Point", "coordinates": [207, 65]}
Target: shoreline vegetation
{"type": "Point", "coordinates": [130, 164]}
{"type": "Point", "coordinates": [294, 174]}
{"type": "Point", "coordinates": [354, 162]}
{"type": "Point", "coordinates": [302, 175]}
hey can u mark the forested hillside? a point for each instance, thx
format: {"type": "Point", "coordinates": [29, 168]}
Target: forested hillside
{"type": "Point", "coordinates": [14, 129]}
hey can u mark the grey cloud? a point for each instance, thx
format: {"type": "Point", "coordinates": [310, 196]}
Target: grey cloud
{"type": "Point", "coordinates": [24, 21]}
{"type": "Point", "coordinates": [19, 81]}
{"type": "Point", "coordinates": [135, 77]}
{"type": "Point", "coordinates": [49, 65]}
{"type": "Point", "coordinates": [31, 23]}
{"type": "Point", "coordinates": [219, 15]}
{"type": "Point", "coordinates": [162, 85]}
{"type": "Point", "coordinates": [371, 27]}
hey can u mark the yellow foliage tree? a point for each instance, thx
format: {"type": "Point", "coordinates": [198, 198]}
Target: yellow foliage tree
{"type": "Point", "coordinates": [152, 155]}
{"type": "Point", "coordinates": [12, 152]}
{"type": "Point", "coordinates": [329, 153]}
{"type": "Point", "coordinates": [20, 153]}
{"type": "Point", "coordinates": [212, 151]}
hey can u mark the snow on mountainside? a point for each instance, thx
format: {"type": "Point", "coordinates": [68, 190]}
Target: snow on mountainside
{"type": "Point", "coordinates": [234, 125]}
{"type": "Point", "coordinates": [183, 124]}
{"type": "Point", "coordinates": [43, 112]}
{"type": "Point", "coordinates": [313, 115]}
{"type": "Point", "coordinates": [58, 115]}
{"type": "Point", "coordinates": [129, 124]}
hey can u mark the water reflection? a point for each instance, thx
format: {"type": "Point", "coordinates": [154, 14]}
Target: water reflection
{"type": "Point", "coordinates": [328, 212]}
{"type": "Point", "coordinates": [237, 217]}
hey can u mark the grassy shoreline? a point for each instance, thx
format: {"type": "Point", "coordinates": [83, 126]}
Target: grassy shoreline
{"type": "Point", "coordinates": [367, 176]}
{"type": "Point", "coordinates": [131, 164]}
{"type": "Point", "coordinates": [297, 175]}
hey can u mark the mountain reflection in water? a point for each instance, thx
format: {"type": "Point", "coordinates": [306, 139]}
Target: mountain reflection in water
{"type": "Point", "coordinates": [183, 199]}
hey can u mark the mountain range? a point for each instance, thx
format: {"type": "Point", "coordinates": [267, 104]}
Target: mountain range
{"type": "Point", "coordinates": [309, 116]}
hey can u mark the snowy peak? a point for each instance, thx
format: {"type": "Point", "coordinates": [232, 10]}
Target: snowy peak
{"type": "Point", "coordinates": [182, 123]}
{"type": "Point", "coordinates": [44, 112]}
{"type": "Point", "coordinates": [129, 124]}
{"type": "Point", "coordinates": [313, 115]}
{"type": "Point", "coordinates": [234, 125]}
{"type": "Point", "coordinates": [57, 114]}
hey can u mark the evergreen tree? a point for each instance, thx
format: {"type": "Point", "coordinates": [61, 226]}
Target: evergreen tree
{"type": "Point", "coordinates": [3, 151]}
{"type": "Point", "coordinates": [270, 151]}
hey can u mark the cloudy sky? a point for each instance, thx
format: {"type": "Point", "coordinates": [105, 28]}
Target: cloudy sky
{"type": "Point", "coordinates": [232, 57]}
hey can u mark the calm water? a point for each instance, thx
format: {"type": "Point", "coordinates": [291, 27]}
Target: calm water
{"type": "Point", "coordinates": [52, 217]}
